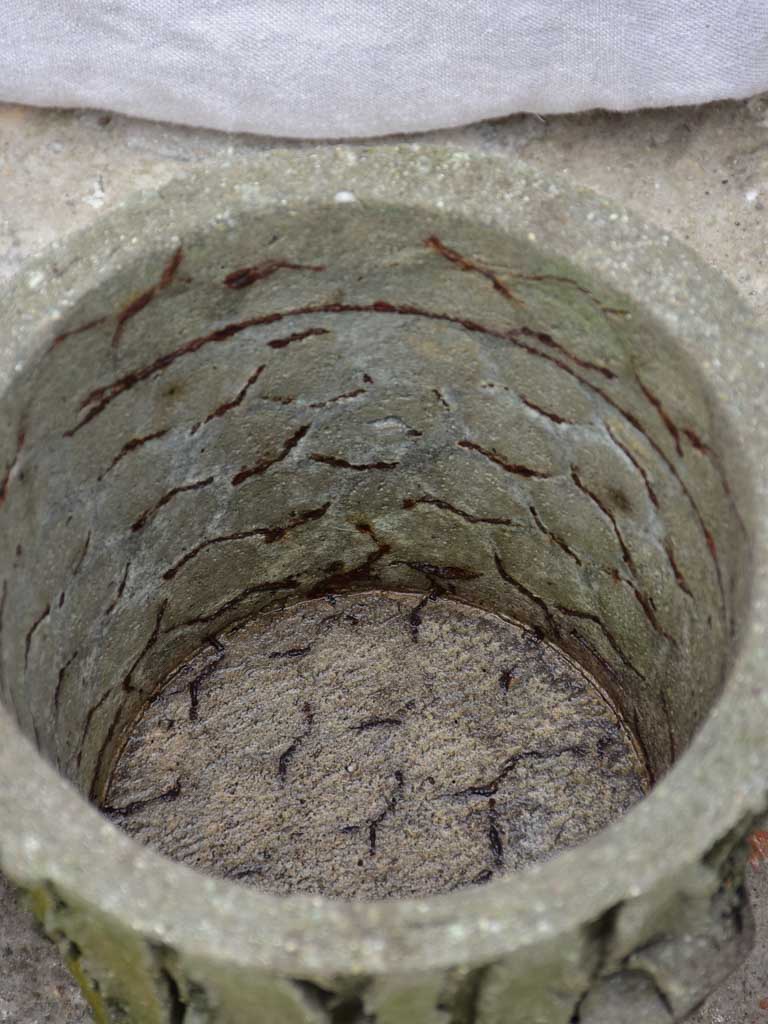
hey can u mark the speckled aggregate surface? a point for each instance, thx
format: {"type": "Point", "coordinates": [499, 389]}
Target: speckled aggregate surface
{"type": "Point", "coordinates": [374, 746]}
{"type": "Point", "coordinates": [700, 173]}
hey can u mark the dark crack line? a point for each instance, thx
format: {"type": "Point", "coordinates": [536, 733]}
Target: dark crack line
{"type": "Point", "coordinates": [264, 464]}
{"type": "Point", "coordinates": [443, 572]}
{"type": "Point", "coordinates": [248, 276]}
{"type": "Point", "coordinates": [60, 684]}
{"type": "Point", "coordinates": [494, 835]}
{"type": "Point", "coordinates": [433, 242]}
{"type": "Point", "coordinates": [505, 680]}
{"type": "Point", "coordinates": [202, 677]}
{"type": "Point", "coordinates": [553, 537]}
{"type": "Point", "coordinates": [484, 876]}
{"type": "Point", "coordinates": [558, 279]}
{"type": "Point", "coordinates": [75, 331]}
{"type": "Point", "coordinates": [82, 556]}
{"type": "Point", "coordinates": [290, 583]}
{"type": "Point", "coordinates": [549, 341]}
{"type": "Point", "coordinates": [341, 577]}
{"type": "Point", "coordinates": [226, 407]}
{"type": "Point", "coordinates": [559, 833]}
{"type": "Point", "coordinates": [666, 419]}
{"type": "Point", "coordinates": [288, 754]}
{"type": "Point", "coordinates": [312, 332]}
{"type": "Point", "coordinates": [559, 420]}
{"type": "Point", "coordinates": [670, 725]}
{"type": "Point", "coordinates": [375, 723]}
{"type": "Point", "coordinates": [244, 873]}
{"type": "Point", "coordinates": [170, 270]}
{"type": "Point", "coordinates": [582, 641]}
{"type": "Point", "coordinates": [640, 469]}
{"type": "Point", "coordinates": [127, 687]}
{"type": "Point", "coordinates": [355, 393]}
{"type": "Point", "coordinates": [6, 478]}
{"type": "Point", "coordinates": [712, 547]}
{"type": "Point", "coordinates": [634, 422]}
{"type": "Point", "coordinates": [131, 446]}
{"type": "Point", "coordinates": [292, 652]}
{"type": "Point", "coordinates": [646, 973]}
{"type": "Point", "coordinates": [142, 301]}
{"type": "Point", "coordinates": [339, 463]}
{"type": "Point", "coordinates": [127, 684]}
{"type": "Point", "coordinates": [417, 615]}
{"type": "Point", "coordinates": [461, 997]}
{"type": "Point", "coordinates": [645, 603]}
{"type": "Point", "coordinates": [441, 398]}
{"type": "Point", "coordinates": [625, 552]}
{"type": "Point", "coordinates": [446, 506]}
{"type": "Point", "coordinates": [521, 588]}
{"type": "Point", "coordinates": [120, 590]}
{"type": "Point", "coordinates": [591, 617]}
{"type": "Point", "coordinates": [270, 535]}
{"type": "Point", "coordinates": [151, 512]}
{"type": "Point", "coordinates": [576, 1015]}
{"type": "Point", "coordinates": [489, 789]}
{"type": "Point", "coordinates": [639, 743]}
{"type": "Point", "coordinates": [13, 702]}
{"type": "Point", "coordinates": [337, 1007]}
{"type": "Point", "coordinates": [276, 533]}
{"type": "Point", "coordinates": [676, 571]}
{"type": "Point", "coordinates": [375, 823]}
{"type": "Point", "coordinates": [92, 711]}
{"type": "Point", "coordinates": [136, 806]}
{"type": "Point", "coordinates": [32, 630]}
{"type": "Point", "coordinates": [509, 467]}
{"type": "Point", "coordinates": [704, 449]}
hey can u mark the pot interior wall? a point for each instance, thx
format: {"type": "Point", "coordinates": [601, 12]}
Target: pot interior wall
{"type": "Point", "coordinates": [340, 398]}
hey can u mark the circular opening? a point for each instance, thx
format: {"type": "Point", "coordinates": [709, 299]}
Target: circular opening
{"type": "Point", "coordinates": [509, 477]}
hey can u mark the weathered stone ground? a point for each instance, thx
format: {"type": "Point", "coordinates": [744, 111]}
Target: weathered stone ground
{"type": "Point", "coordinates": [700, 172]}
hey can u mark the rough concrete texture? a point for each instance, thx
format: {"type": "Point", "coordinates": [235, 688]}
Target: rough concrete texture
{"type": "Point", "coordinates": [35, 986]}
{"type": "Point", "coordinates": [699, 173]}
{"type": "Point", "coordinates": [374, 746]}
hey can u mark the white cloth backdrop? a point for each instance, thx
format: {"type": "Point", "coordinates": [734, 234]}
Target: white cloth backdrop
{"type": "Point", "coordinates": [340, 68]}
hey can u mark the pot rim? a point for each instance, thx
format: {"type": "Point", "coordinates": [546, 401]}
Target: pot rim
{"type": "Point", "coordinates": [48, 832]}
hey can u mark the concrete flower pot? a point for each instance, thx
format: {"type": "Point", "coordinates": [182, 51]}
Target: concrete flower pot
{"type": "Point", "coordinates": [527, 345]}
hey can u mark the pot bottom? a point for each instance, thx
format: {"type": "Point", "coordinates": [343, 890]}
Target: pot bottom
{"type": "Point", "coordinates": [373, 745]}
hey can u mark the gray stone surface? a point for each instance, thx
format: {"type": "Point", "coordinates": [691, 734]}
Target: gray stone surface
{"type": "Point", "coordinates": [701, 174]}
